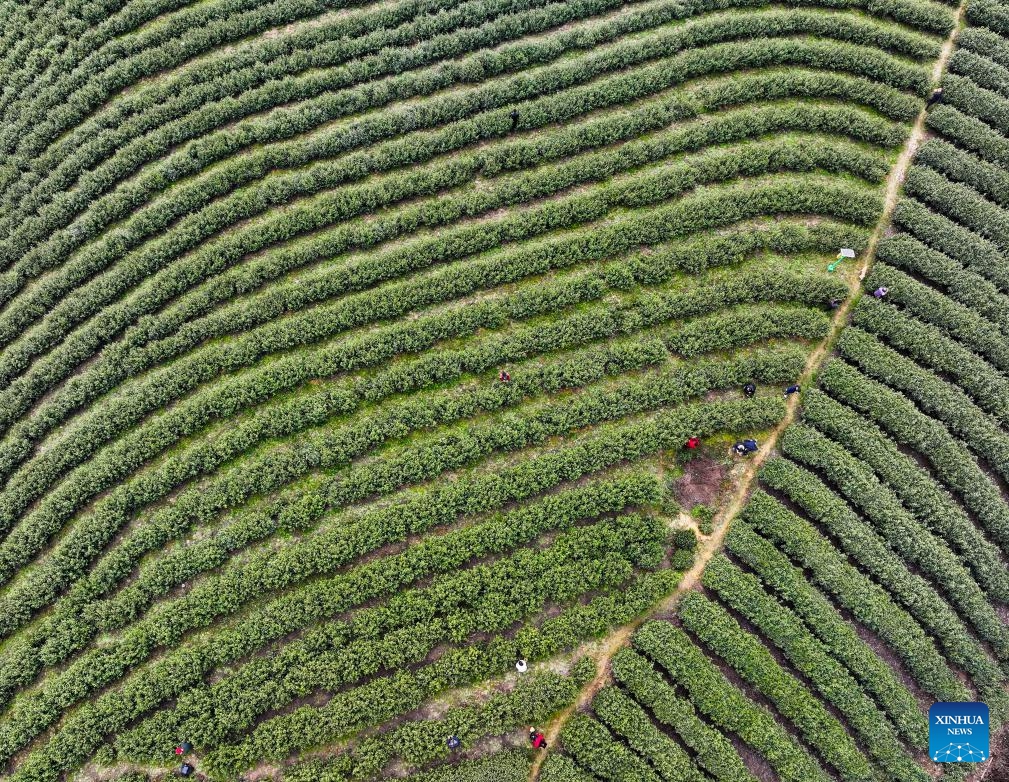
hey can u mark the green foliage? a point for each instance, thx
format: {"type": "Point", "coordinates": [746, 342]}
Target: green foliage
{"type": "Point", "coordinates": [989, 13]}
{"type": "Point", "coordinates": [162, 386]}
{"type": "Point", "coordinates": [685, 540]}
{"type": "Point", "coordinates": [513, 155]}
{"type": "Point", "coordinates": [960, 203]}
{"type": "Point", "coordinates": [117, 362]}
{"type": "Point", "coordinates": [184, 34]}
{"type": "Point", "coordinates": [933, 395]}
{"type": "Point", "coordinates": [560, 768]}
{"type": "Point", "coordinates": [370, 704]}
{"type": "Point", "coordinates": [260, 267]}
{"type": "Point", "coordinates": [984, 42]}
{"type": "Point", "coordinates": [970, 98]}
{"type": "Point", "coordinates": [378, 700]}
{"type": "Point", "coordinates": [960, 284]}
{"type": "Point", "coordinates": [627, 719]}
{"type": "Point", "coordinates": [519, 430]}
{"type": "Point", "coordinates": [419, 742]}
{"type": "Point", "coordinates": [867, 601]}
{"type": "Point", "coordinates": [714, 752]}
{"type": "Point", "coordinates": [558, 77]}
{"type": "Point", "coordinates": [829, 626]}
{"type": "Point", "coordinates": [950, 458]}
{"type": "Point", "coordinates": [593, 747]}
{"type": "Point", "coordinates": [645, 311]}
{"type": "Point", "coordinates": [724, 705]}
{"type": "Point", "coordinates": [407, 629]}
{"type": "Point", "coordinates": [744, 326]}
{"type": "Point", "coordinates": [583, 671]}
{"type": "Point", "coordinates": [501, 767]}
{"type": "Point", "coordinates": [980, 70]}
{"type": "Point", "coordinates": [666, 428]}
{"type": "Point", "coordinates": [971, 133]}
{"type": "Point", "coordinates": [974, 322]}
{"type": "Point", "coordinates": [684, 546]}
{"type": "Point", "coordinates": [937, 363]}
{"type": "Point", "coordinates": [916, 545]}
{"type": "Point", "coordinates": [703, 513]}
{"type": "Point", "coordinates": [864, 545]}
{"type": "Point", "coordinates": [316, 598]}
{"type": "Point", "coordinates": [924, 497]}
{"type": "Point", "coordinates": [785, 630]}
{"type": "Point", "coordinates": [990, 180]}
{"type": "Point", "coordinates": [716, 628]}
{"type": "Point", "coordinates": [973, 252]}
{"type": "Point", "coordinates": [930, 347]}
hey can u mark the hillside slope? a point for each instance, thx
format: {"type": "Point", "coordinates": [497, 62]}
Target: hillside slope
{"type": "Point", "coordinates": [348, 352]}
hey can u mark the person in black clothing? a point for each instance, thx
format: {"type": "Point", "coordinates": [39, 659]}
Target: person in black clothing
{"type": "Point", "coordinates": [936, 97]}
{"type": "Point", "coordinates": [745, 447]}
{"type": "Point", "coordinates": [835, 303]}
{"type": "Point", "coordinates": [791, 390]}
{"type": "Point", "coordinates": [186, 769]}
{"type": "Point", "coordinates": [749, 389]}
{"type": "Point", "coordinates": [453, 742]}
{"type": "Point", "coordinates": [515, 118]}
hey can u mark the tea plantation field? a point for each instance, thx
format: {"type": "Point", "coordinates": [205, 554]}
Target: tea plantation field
{"type": "Point", "coordinates": [866, 577]}
{"type": "Point", "coordinates": [350, 350]}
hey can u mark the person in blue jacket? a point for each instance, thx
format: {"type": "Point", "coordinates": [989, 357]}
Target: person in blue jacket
{"type": "Point", "coordinates": [745, 447]}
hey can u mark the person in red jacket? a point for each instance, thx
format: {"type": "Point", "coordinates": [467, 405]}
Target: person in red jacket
{"type": "Point", "coordinates": [537, 739]}
{"type": "Point", "coordinates": [693, 442]}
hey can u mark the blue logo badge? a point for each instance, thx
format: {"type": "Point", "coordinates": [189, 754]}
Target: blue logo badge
{"type": "Point", "coordinates": [958, 732]}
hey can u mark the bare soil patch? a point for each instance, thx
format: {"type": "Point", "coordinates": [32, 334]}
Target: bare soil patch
{"type": "Point", "coordinates": [756, 764]}
{"type": "Point", "coordinates": [701, 483]}
{"type": "Point", "coordinates": [997, 767]}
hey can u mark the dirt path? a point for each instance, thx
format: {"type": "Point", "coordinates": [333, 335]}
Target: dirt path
{"type": "Point", "coordinates": [918, 132]}
{"type": "Point", "coordinates": [744, 483]}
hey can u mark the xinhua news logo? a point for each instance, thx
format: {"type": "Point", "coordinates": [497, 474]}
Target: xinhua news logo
{"type": "Point", "coordinates": [958, 732]}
